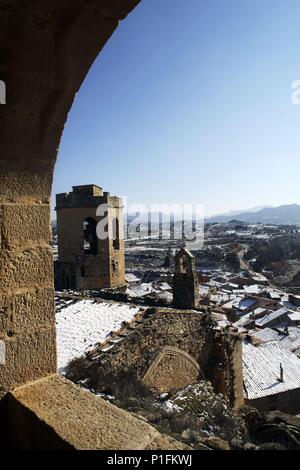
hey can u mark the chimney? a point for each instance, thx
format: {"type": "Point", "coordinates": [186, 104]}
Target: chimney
{"type": "Point", "coordinates": [281, 373]}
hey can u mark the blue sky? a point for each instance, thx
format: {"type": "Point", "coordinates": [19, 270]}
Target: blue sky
{"type": "Point", "coordinates": [190, 102]}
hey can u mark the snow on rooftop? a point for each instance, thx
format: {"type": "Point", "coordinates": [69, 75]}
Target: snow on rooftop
{"type": "Point", "coordinates": [292, 340]}
{"type": "Point", "coordinates": [254, 289]}
{"type": "Point", "coordinates": [219, 299]}
{"type": "Point", "coordinates": [130, 277]}
{"type": "Point", "coordinates": [165, 286]}
{"type": "Point", "coordinates": [295, 316]}
{"type": "Point", "coordinates": [266, 335]}
{"type": "Point", "coordinates": [270, 317]}
{"type": "Point", "coordinates": [203, 290]}
{"type": "Point", "coordinates": [244, 304]}
{"type": "Point", "coordinates": [82, 325]}
{"type": "Point", "coordinates": [141, 290]}
{"type": "Point", "coordinates": [261, 370]}
{"type": "Point", "coordinates": [239, 303]}
{"type": "Point", "coordinates": [259, 278]}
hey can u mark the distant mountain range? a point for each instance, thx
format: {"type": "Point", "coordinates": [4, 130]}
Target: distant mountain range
{"type": "Point", "coordinates": [286, 214]}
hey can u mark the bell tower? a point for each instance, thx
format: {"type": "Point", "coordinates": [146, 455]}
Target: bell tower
{"type": "Point", "coordinates": [90, 240]}
{"type": "Point", "coordinates": [186, 293]}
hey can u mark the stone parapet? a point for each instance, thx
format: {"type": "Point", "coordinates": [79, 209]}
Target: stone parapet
{"type": "Point", "coordinates": [53, 413]}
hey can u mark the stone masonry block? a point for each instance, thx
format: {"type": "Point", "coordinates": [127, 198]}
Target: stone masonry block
{"type": "Point", "coordinates": [26, 311]}
{"type": "Point", "coordinates": [22, 222]}
{"type": "Point", "coordinates": [28, 268]}
{"type": "Point", "coordinates": [27, 358]}
{"type": "Point", "coordinates": [55, 413]}
{"type": "Point", "coordinates": [23, 179]}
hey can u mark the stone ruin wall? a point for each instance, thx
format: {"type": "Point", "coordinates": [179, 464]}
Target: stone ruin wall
{"type": "Point", "coordinates": [216, 352]}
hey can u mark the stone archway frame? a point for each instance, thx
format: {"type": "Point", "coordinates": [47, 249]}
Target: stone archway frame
{"type": "Point", "coordinates": [171, 351]}
{"type": "Point", "coordinates": [47, 49]}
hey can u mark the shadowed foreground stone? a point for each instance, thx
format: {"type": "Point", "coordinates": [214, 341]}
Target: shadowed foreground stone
{"type": "Point", "coordinates": [55, 413]}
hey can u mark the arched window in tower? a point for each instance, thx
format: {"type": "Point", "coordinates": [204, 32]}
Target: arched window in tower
{"type": "Point", "coordinates": [183, 265]}
{"type": "Point", "coordinates": [90, 240]}
{"type": "Point", "coordinates": [116, 234]}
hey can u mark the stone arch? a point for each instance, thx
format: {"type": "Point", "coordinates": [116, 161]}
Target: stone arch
{"type": "Point", "coordinates": [173, 368]}
{"type": "Point", "coordinates": [47, 49]}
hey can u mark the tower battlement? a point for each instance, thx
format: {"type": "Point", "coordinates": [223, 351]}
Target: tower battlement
{"type": "Point", "coordinates": [89, 195]}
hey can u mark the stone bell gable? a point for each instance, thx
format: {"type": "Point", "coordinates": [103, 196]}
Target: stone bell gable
{"type": "Point", "coordinates": [185, 283]}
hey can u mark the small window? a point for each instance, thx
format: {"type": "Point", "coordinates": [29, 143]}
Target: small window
{"type": "Point", "coordinates": [82, 271]}
{"type": "Point", "coordinates": [116, 234]}
{"type": "Point", "coordinates": [115, 267]}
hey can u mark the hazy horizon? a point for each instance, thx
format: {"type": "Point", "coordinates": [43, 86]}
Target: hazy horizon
{"type": "Point", "coordinates": [226, 213]}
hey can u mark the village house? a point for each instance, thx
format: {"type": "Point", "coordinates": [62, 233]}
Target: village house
{"type": "Point", "coordinates": [271, 377]}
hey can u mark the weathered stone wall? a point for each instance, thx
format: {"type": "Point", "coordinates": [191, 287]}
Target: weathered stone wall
{"type": "Point", "coordinates": [217, 352]}
{"type": "Point", "coordinates": [47, 49]}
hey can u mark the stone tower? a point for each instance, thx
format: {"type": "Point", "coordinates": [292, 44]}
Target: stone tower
{"type": "Point", "coordinates": [185, 283]}
{"type": "Point", "coordinates": [87, 260]}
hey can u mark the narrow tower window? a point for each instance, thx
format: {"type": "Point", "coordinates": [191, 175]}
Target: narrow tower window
{"type": "Point", "coordinates": [116, 234]}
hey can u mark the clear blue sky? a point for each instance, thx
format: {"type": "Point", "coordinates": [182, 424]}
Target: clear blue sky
{"type": "Point", "coordinates": [190, 102]}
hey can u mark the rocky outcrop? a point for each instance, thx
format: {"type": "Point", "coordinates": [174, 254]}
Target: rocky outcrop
{"type": "Point", "coordinates": [272, 430]}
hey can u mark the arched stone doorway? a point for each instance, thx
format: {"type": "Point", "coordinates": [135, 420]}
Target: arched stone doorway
{"type": "Point", "coordinates": [173, 368]}
{"type": "Point", "coordinates": [47, 49]}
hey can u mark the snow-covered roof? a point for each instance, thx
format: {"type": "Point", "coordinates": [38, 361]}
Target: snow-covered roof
{"type": "Point", "coordinates": [259, 278]}
{"type": "Point", "coordinates": [204, 290]}
{"type": "Point", "coordinates": [130, 277]}
{"type": "Point", "coordinates": [292, 340]}
{"type": "Point", "coordinates": [239, 303]}
{"type": "Point", "coordinates": [165, 286]}
{"type": "Point", "coordinates": [233, 285]}
{"type": "Point", "coordinates": [266, 335]}
{"type": "Point", "coordinates": [82, 325]}
{"type": "Point", "coordinates": [242, 321]}
{"type": "Point", "coordinates": [244, 304]}
{"type": "Point", "coordinates": [141, 290]}
{"type": "Point", "coordinates": [261, 370]}
{"type": "Point", "coordinates": [259, 311]}
{"type": "Point", "coordinates": [295, 316]}
{"type": "Point", "coordinates": [219, 299]}
{"type": "Point", "coordinates": [254, 289]}
{"type": "Point", "coordinates": [270, 317]}
{"type": "Point", "coordinates": [274, 294]}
